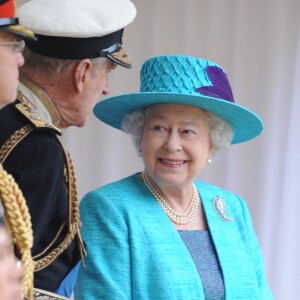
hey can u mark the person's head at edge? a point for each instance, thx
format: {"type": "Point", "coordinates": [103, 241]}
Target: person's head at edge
{"type": "Point", "coordinates": [11, 45]}
{"type": "Point", "coordinates": [75, 52]}
{"type": "Point", "coordinates": [183, 115]}
{"type": "Point", "coordinates": [11, 58]}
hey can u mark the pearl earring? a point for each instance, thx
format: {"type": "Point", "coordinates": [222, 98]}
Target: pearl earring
{"type": "Point", "coordinates": [209, 160]}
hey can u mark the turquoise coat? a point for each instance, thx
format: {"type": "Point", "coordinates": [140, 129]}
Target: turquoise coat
{"type": "Point", "coordinates": [134, 251]}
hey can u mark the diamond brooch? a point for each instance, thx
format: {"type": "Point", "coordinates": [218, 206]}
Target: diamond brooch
{"type": "Point", "coordinates": [220, 208]}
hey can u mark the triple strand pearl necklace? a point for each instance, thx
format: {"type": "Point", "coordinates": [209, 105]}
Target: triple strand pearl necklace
{"type": "Point", "coordinates": [175, 217]}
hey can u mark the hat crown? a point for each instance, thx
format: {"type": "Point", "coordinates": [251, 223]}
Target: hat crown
{"type": "Point", "coordinates": [7, 9]}
{"type": "Point", "coordinates": [84, 18]}
{"type": "Point", "coordinates": [185, 75]}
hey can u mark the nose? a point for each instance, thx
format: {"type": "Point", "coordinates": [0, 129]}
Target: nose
{"type": "Point", "coordinates": [173, 143]}
{"type": "Point", "coordinates": [20, 59]}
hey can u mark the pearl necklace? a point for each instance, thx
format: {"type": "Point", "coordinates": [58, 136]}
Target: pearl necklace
{"type": "Point", "coordinates": [175, 217]}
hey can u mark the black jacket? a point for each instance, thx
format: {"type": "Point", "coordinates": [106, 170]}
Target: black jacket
{"type": "Point", "coordinates": [37, 165]}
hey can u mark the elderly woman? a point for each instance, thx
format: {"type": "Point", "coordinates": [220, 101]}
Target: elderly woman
{"type": "Point", "coordinates": [161, 234]}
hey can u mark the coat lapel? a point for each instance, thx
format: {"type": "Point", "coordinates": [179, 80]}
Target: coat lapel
{"type": "Point", "coordinates": [169, 250]}
{"type": "Point", "coordinates": [229, 244]}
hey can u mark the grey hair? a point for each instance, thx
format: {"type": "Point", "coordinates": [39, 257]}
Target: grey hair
{"type": "Point", "coordinates": [54, 65]}
{"type": "Point", "coordinates": [221, 133]}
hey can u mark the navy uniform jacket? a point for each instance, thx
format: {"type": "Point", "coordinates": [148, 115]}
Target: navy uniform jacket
{"type": "Point", "coordinates": [37, 165]}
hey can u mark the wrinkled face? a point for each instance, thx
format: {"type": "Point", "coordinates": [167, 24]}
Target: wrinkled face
{"type": "Point", "coordinates": [10, 61]}
{"type": "Point", "coordinates": [99, 85]}
{"type": "Point", "coordinates": [175, 144]}
{"type": "Point", "coordinates": [76, 111]}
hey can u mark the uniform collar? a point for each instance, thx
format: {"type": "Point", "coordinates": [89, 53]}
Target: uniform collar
{"type": "Point", "coordinates": [39, 100]}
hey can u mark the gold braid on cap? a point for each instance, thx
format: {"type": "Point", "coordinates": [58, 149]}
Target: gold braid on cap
{"type": "Point", "coordinates": [21, 29]}
{"type": "Point", "coordinates": [18, 222]}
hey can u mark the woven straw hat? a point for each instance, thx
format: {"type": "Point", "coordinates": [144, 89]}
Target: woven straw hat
{"type": "Point", "coordinates": [183, 80]}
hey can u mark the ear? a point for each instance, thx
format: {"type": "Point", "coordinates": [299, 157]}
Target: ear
{"type": "Point", "coordinates": [83, 71]}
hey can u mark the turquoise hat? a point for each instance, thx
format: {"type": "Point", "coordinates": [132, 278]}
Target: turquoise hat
{"type": "Point", "coordinates": [183, 80]}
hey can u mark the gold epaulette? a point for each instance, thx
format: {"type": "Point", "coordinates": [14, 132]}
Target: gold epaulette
{"type": "Point", "coordinates": [28, 110]}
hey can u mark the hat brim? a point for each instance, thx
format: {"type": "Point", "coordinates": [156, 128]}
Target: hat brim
{"type": "Point", "coordinates": [120, 57]}
{"type": "Point", "coordinates": [62, 47]}
{"type": "Point", "coordinates": [245, 124]}
{"type": "Point", "coordinates": [20, 31]}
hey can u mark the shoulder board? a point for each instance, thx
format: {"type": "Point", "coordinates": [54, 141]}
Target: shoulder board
{"type": "Point", "coordinates": [27, 109]}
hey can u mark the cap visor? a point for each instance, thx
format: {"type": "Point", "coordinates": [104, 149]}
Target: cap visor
{"type": "Point", "coordinates": [120, 57]}
{"type": "Point", "coordinates": [20, 31]}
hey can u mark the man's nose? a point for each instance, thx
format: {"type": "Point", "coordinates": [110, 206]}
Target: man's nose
{"type": "Point", "coordinates": [19, 59]}
{"type": "Point", "coordinates": [106, 88]}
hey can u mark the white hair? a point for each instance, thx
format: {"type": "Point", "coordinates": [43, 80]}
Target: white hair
{"type": "Point", "coordinates": [54, 65]}
{"type": "Point", "coordinates": [221, 133]}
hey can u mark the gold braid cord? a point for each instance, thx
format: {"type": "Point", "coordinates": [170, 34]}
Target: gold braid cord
{"type": "Point", "coordinates": [74, 219]}
{"type": "Point", "coordinates": [18, 222]}
{"type": "Point", "coordinates": [73, 222]}
{"type": "Point", "coordinates": [13, 141]}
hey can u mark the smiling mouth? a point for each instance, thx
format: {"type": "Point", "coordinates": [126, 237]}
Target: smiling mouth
{"type": "Point", "coordinates": [172, 162]}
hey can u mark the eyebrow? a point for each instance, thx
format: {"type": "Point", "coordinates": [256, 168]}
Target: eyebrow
{"type": "Point", "coordinates": [161, 117]}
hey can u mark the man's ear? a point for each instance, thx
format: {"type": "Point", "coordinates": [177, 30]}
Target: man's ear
{"type": "Point", "coordinates": [83, 72]}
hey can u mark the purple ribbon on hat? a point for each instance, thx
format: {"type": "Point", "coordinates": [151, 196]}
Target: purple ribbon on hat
{"type": "Point", "coordinates": [220, 87]}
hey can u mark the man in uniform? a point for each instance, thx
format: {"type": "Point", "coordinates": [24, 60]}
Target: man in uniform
{"type": "Point", "coordinates": [11, 46]}
{"type": "Point", "coordinates": [11, 58]}
{"type": "Point", "coordinates": [65, 73]}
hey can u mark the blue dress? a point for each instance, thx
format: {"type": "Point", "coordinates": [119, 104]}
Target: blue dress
{"type": "Point", "coordinates": [201, 247]}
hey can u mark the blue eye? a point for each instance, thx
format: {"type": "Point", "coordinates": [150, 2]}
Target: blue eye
{"type": "Point", "coordinates": [157, 127]}
{"type": "Point", "coordinates": [159, 130]}
{"type": "Point", "coordinates": [188, 132]}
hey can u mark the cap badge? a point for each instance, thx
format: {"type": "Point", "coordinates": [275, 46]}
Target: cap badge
{"type": "Point", "coordinates": [220, 208]}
